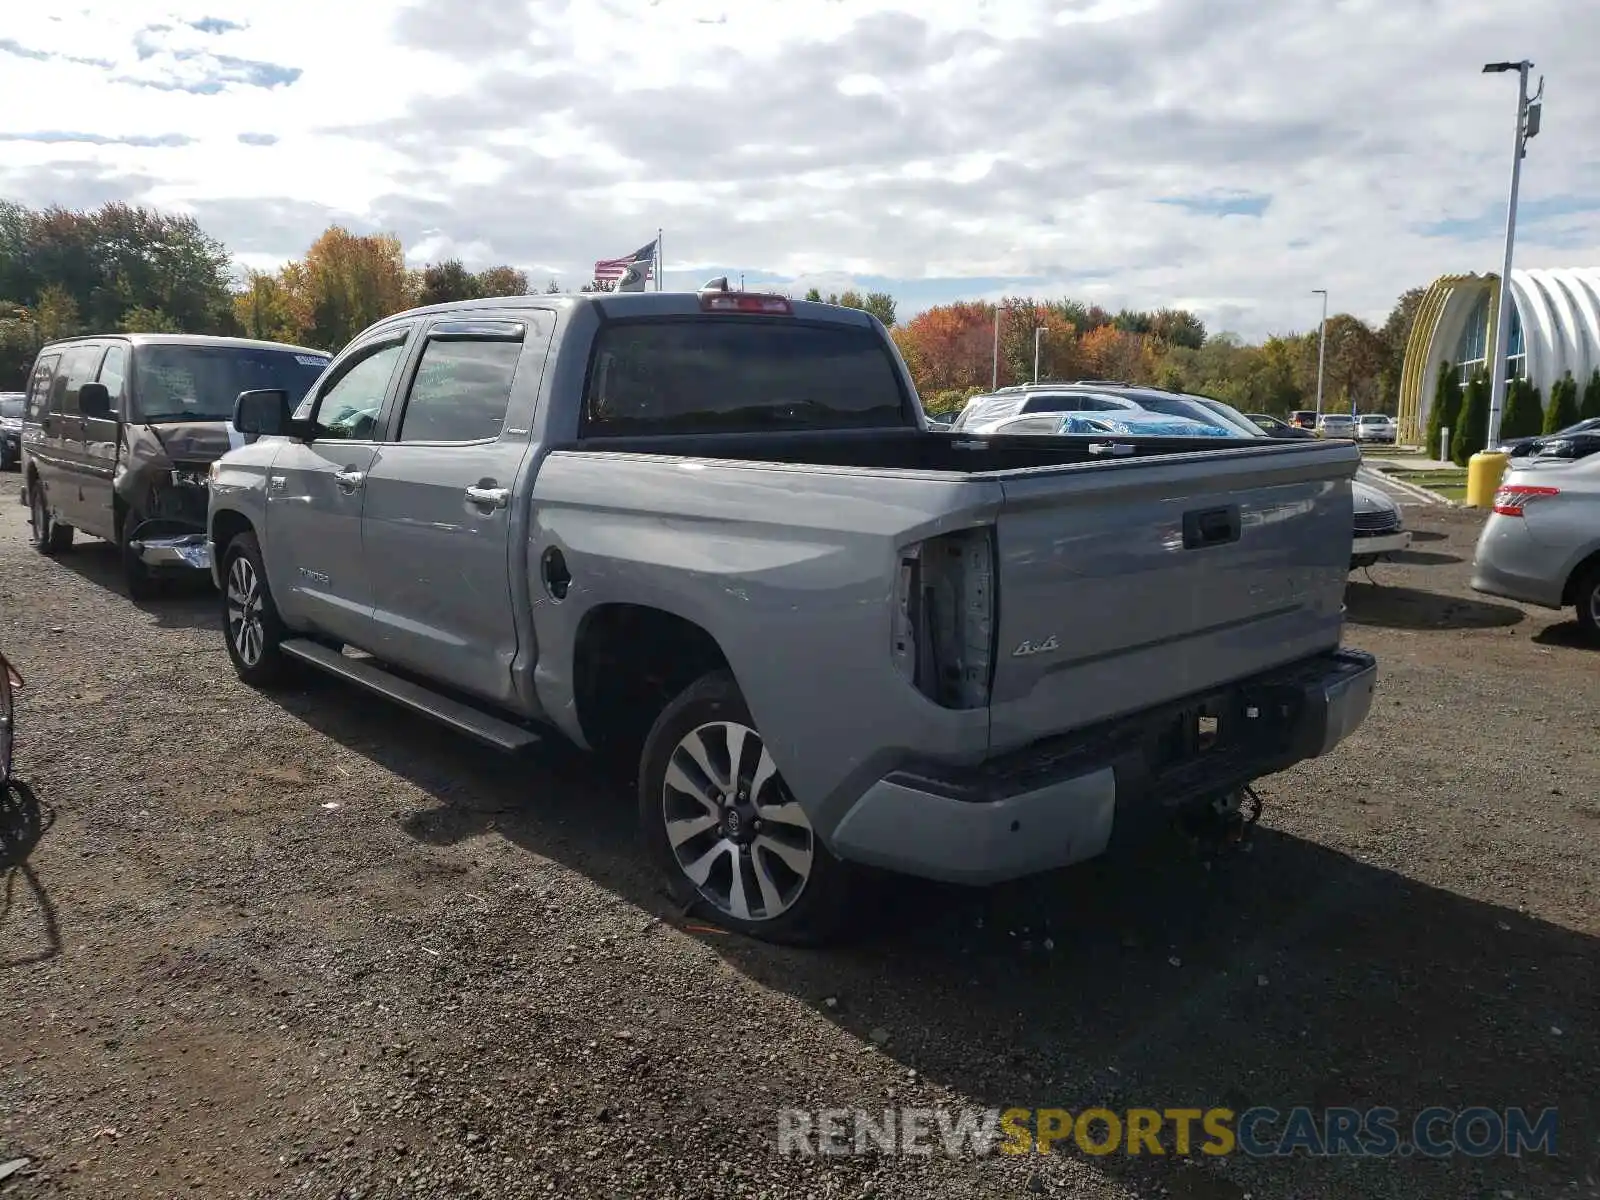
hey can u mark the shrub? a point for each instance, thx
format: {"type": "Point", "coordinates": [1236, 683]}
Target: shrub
{"type": "Point", "coordinates": [1591, 398]}
{"type": "Point", "coordinates": [1469, 433]}
{"type": "Point", "coordinates": [1563, 409]}
{"type": "Point", "coordinates": [1523, 415]}
{"type": "Point", "coordinates": [1446, 407]}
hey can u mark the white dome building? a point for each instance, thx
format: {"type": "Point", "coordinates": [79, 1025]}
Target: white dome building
{"type": "Point", "coordinates": [1555, 328]}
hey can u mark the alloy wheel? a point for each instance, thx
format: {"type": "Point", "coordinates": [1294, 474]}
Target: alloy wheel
{"type": "Point", "coordinates": [735, 831]}
{"type": "Point", "coordinates": [245, 630]}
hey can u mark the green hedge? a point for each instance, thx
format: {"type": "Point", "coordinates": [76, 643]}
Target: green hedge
{"type": "Point", "coordinates": [1446, 407]}
{"type": "Point", "coordinates": [1591, 398]}
{"type": "Point", "coordinates": [1524, 414]}
{"type": "Point", "coordinates": [1469, 433]}
{"type": "Point", "coordinates": [1563, 410]}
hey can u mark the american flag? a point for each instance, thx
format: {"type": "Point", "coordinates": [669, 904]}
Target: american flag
{"type": "Point", "coordinates": [611, 269]}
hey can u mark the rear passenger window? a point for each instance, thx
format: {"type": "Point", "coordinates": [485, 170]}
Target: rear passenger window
{"type": "Point", "coordinates": [461, 391]}
{"type": "Point", "coordinates": [39, 387]}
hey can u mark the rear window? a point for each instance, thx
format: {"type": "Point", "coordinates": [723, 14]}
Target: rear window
{"type": "Point", "coordinates": [201, 383]}
{"type": "Point", "coordinates": [726, 374]}
{"type": "Point", "coordinates": [11, 405]}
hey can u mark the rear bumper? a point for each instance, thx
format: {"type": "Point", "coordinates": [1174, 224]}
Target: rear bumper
{"type": "Point", "coordinates": [1073, 798]}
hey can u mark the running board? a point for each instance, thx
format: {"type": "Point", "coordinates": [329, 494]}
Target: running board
{"type": "Point", "coordinates": [502, 735]}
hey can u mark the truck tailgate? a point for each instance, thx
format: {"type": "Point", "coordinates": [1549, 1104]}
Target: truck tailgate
{"type": "Point", "coordinates": [1130, 583]}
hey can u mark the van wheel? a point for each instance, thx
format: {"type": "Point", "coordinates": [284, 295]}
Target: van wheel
{"type": "Point", "coordinates": [141, 583]}
{"type": "Point", "coordinates": [722, 827]}
{"type": "Point", "coordinates": [250, 622]}
{"type": "Point", "coordinates": [49, 536]}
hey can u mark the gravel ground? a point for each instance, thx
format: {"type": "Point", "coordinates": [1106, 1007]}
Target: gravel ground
{"type": "Point", "coordinates": [311, 945]}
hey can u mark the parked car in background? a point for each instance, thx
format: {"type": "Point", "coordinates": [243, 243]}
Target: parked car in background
{"type": "Point", "coordinates": [1276, 427]}
{"type": "Point", "coordinates": [1377, 427]}
{"type": "Point", "coordinates": [1303, 418]}
{"type": "Point", "coordinates": [1027, 399]}
{"type": "Point", "coordinates": [1575, 441]}
{"type": "Point", "coordinates": [1378, 526]}
{"type": "Point", "coordinates": [1541, 543]}
{"type": "Point", "coordinates": [1336, 425]}
{"type": "Point", "coordinates": [121, 429]}
{"type": "Point", "coordinates": [711, 537]}
{"type": "Point", "coordinates": [12, 406]}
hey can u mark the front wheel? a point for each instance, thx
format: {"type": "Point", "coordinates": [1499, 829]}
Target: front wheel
{"type": "Point", "coordinates": [723, 828]}
{"type": "Point", "coordinates": [251, 626]}
{"type": "Point", "coordinates": [141, 582]}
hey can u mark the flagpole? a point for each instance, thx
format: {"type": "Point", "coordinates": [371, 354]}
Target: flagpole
{"type": "Point", "coordinates": [661, 262]}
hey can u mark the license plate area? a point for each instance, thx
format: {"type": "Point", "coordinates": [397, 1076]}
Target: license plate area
{"type": "Point", "coordinates": [1235, 720]}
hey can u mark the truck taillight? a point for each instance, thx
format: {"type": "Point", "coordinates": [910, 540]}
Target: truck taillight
{"type": "Point", "coordinates": [944, 617]}
{"type": "Point", "coordinates": [1512, 498]}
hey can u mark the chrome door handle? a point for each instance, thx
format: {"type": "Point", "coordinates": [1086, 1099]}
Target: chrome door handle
{"type": "Point", "coordinates": [494, 497]}
{"type": "Point", "coordinates": [349, 480]}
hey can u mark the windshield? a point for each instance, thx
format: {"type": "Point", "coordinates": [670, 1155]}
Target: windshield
{"type": "Point", "coordinates": [11, 405]}
{"type": "Point", "coordinates": [201, 383]}
{"type": "Point", "coordinates": [722, 374]}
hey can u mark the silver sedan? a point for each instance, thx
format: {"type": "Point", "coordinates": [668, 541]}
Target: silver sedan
{"type": "Point", "coordinates": [1541, 544]}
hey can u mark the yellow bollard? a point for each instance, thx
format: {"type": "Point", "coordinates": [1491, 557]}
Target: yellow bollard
{"type": "Point", "coordinates": [1484, 472]}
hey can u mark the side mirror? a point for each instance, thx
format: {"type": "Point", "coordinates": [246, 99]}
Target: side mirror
{"type": "Point", "coordinates": [263, 413]}
{"type": "Point", "coordinates": [94, 400]}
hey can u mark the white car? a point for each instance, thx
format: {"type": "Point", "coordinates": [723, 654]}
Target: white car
{"type": "Point", "coordinates": [1377, 427]}
{"type": "Point", "coordinates": [1336, 425]}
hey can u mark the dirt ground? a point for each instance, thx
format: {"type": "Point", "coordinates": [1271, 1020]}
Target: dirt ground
{"type": "Point", "coordinates": [309, 945]}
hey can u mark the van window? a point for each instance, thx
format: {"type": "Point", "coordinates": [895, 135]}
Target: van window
{"type": "Point", "coordinates": [39, 387]}
{"type": "Point", "coordinates": [114, 373]}
{"type": "Point", "coordinates": [199, 382]}
{"type": "Point", "coordinates": [82, 362]}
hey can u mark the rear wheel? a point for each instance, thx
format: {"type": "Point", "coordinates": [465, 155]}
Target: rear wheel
{"type": "Point", "coordinates": [49, 536]}
{"type": "Point", "coordinates": [722, 826]}
{"type": "Point", "coordinates": [1588, 601]}
{"type": "Point", "coordinates": [251, 625]}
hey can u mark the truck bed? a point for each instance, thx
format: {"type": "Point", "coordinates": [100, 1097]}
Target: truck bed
{"type": "Point", "coordinates": [1117, 583]}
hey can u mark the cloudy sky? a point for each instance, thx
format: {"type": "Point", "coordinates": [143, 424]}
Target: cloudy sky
{"type": "Point", "coordinates": [1225, 155]}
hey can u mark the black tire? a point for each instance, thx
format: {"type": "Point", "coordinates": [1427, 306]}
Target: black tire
{"type": "Point", "coordinates": [49, 536]}
{"type": "Point", "coordinates": [814, 911]}
{"type": "Point", "coordinates": [246, 601]}
{"type": "Point", "coordinates": [1587, 597]}
{"type": "Point", "coordinates": [141, 583]}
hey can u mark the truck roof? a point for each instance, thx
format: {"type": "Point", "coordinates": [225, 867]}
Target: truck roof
{"type": "Point", "coordinates": [621, 305]}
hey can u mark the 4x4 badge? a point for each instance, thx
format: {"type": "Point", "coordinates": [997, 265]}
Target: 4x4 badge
{"type": "Point", "coordinates": [1028, 647]}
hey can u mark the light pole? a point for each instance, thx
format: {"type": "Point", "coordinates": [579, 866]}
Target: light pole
{"type": "Point", "coordinates": [994, 375]}
{"type": "Point", "coordinates": [1528, 111]}
{"type": "Point", "coordinates": [1038, 332]}
{"type": "Point", "coordinates": [1322, 345]}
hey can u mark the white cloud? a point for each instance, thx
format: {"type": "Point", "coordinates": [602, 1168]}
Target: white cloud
{"type": "Point", "coordinates": [1217, 153]}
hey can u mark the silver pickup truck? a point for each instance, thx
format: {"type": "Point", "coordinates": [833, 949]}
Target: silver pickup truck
{"type": "Point", "coordinates": [711, 537]}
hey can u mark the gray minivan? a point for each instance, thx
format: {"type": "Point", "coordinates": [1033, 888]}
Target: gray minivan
{"type": "Point", "coordinates": [120, 433]}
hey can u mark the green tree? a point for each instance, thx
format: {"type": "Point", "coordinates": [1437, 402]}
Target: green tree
{"type": "Point", "coordinates": [1470, 432]}
{"type": "Point", "coordinates": [56, 314]}
{"type": "Point", "coordinates": [148, 320]}
{"type": "Point", "coordinates": [1563, 410]}
{"type": "Point", "coordinates": [813, 296]}
{"type": "Point", "coordinates": [1591, 398]}
{"type": "Point", "coordinates": [1394, 334]}
{"type": "Point", "coordinates": [447, 281]}
{"type": "Point", "coordinates": [1524, 414]}
{"type": "Point", "coordinates": [1445, 412]}
{"type": "Point", "coordinates": [502, 281]}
